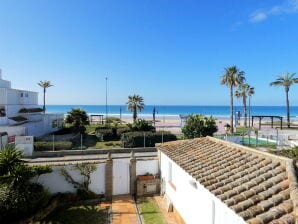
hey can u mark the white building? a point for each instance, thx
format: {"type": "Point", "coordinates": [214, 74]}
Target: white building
{"type": "Point", "coordinates": [20, 113]}
{"type": "Point", "coordinates": [211, 181]}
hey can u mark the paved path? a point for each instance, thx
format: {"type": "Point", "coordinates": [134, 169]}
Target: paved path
{"type": "Point", "coordinates": [123, 210]}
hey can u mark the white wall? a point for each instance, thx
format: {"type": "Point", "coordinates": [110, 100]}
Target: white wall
{"type": "Point", "coordinates": [3, 96]}
{"type": "Point", "coordinates": [55, 182]}
{"type": "Point", "coordinates": [147, 166]}
{"type": "Point", "coordinates": [4, 83]}
{"type": "Point", "coordinates": [13, 130]}
{"type": "Point", "coordinates": [195, 204]}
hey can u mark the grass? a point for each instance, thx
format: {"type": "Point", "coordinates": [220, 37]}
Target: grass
{"type": "Point", "coordinates": [77, 215]}
{"type": "Point", "coordinates": [150, 211]}
{"type": "Point", "coordinates": [109, 145]}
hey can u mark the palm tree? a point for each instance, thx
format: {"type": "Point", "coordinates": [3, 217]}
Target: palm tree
{"type": "Point", "coordinates": [135, 103]}
{"type": "Point", "coordinates": [44, 84]}
{"type": "Point", "coordinates": [232, 78]}
{"type": "Point", "coordinates": [243, 91]}
{"type": "Point", "coordinates": [250, 93]}
{"type": "Point", "coordinates": [286, 81]}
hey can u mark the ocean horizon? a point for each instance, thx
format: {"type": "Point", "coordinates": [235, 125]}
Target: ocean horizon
{"type": "Point", "coordinates": [174, 110]}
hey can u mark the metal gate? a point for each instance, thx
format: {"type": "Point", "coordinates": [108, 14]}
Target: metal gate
{"type": "Point", "coordinates": [120, 177]}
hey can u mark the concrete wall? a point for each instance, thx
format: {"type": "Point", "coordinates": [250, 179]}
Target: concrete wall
{"type": "Point", "coordinates": [194, 202]}
{"type": "Point", "coordinates": [3, 96]}
{"type": "Point", "coordinates": [55, 182]}
{"type": "Point", "coordinates": [5, 84]}
{"type": "Point", "coordinates": [147, 166]}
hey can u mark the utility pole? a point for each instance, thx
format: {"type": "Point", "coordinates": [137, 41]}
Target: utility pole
{"type": "Point", "coordinates": [106, 99]}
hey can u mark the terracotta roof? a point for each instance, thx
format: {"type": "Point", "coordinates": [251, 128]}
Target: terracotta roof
{"type": "Point", "coordinates": [260, 187]}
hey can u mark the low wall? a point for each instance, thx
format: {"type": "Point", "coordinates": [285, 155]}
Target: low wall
{"type": "Point", "coordinates": [90, 152]}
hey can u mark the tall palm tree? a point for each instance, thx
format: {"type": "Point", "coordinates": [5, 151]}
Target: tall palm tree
{"type": "Point", "coordinates": [44, 84]}
{"type": "Point", "coordinates": [232, 78]}
{"type": "Point", "coordinates": [243, 91]}
{"type": "Point", "coordinates": [135, 103]}
{"type": "Point", "coordinates": [250, 93]}
{"type": "Point", "coordinates": [286, 81]}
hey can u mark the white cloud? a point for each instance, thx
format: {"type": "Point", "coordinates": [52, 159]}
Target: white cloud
{"type": "Point", "coordinates": [290, 6]}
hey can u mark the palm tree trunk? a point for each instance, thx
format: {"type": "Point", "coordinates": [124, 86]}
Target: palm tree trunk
{"type": "Point", "coordinates": [245, 111]}
{"type": "Point", "coordinates": [288, 108]}
{"type": "Point", "coordinates": [44, 100]}
{"type": "Point", "coordinates": [232, 109]}
{"type": "Point", "coordinates": [135, 114]}
{"type": "Point", "coordinates": [249, 111]}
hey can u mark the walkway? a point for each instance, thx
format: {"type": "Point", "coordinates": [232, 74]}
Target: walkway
{"type": "Point", "coordinates": [123, 210]}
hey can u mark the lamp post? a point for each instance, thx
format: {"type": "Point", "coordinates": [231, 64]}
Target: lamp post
{"type": "Point", "coordinates": [227, 129]}
{"type": "Point", "coordinates": [106, 99]}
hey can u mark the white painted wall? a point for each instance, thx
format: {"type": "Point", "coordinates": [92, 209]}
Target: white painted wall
{"type": "Point", "coordinates": [3, 100]}
{"type": "Point", "coordinates": [4, 83]}
{"type": "Point", "coordinates": [55, 182]}
{"type": "Point", "coordinates": [144, 166]}
{"type": "Point", "coordinates": [195, 204]}
{"type": "Point", "coordinates": [13, 130]}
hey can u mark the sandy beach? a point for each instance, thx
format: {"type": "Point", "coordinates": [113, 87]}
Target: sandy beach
{"type": "Point", "coordinates": [174, 124]}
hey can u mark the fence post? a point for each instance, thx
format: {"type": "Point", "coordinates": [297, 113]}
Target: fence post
{"type": "Point", "coordinates": [144, 140]}
{"type": "Point", "coordinates": [53, 142]}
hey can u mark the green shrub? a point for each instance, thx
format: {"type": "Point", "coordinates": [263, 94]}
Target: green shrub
{"type": "Point", "coordinates": [141, 125]}
{"type": "Point", "coordinates": [48, 146]}
{"type": "Point", "coordinates": [136, 139]}
{"type": "Point", "coordinates": [198, 125]}
{"type": "Point", "coordinates": [114, 120]}
{"type": "Point", "coordinates": [106, 133]}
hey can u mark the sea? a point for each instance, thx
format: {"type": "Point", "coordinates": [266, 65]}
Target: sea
{"type": "Point", "coordinates": [174, 111]}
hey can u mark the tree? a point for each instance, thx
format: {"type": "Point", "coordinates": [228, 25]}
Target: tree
{"type": "Point", "coordinates": [77, 117]}
{"type": "Point", "coordinates": [135, 103]}
{"type": "Point", "coordinates": [19, 196]}
{"type": "Point", "coordinates": [286, 81]}
{"type": "Point", "coordinates": [197, 125]}
{"type": "Point", "coordinates": [44, 84]}
{"type": "Point", "coordinates": [232, 78]}
{"type": "Point", "coordinates": [244, 90]}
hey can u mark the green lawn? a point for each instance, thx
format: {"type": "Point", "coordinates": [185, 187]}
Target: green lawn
{"type": "Point", "coordinates": [78, 215]}
{"type": "Point", "coordinates": [109, 145]}
{"type": "Point", "coordinates": [150, 211]}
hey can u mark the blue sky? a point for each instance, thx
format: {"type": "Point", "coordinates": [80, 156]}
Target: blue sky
{"type": "Point", "coordinates": [170, 52]}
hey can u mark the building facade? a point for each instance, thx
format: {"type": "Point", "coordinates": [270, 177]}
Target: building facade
{"type": "Point", "coordinates": [210, 181]}
{"type": "Point", "coordinates": [20, 113]}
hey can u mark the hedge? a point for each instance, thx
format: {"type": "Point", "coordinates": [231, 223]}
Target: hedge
{"type": "Point", "coordinates": [110, 133]}
{"type": "Point", "coordinates": [136, 139]}
{"type": "Point", "coordinates": [48, 146]}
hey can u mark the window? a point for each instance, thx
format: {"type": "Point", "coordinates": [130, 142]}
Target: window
{"type": "Point", "coordinates": [22, 94]}
{"type": "Point", "coordinates": [26, 95]}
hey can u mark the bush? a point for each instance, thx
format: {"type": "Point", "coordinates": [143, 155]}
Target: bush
{"type": "Point", "coordinates": [48, 146]}
{"type": "Point", "coordinates": [110, 133]}
{"type": "Point", "coordinates": [136, 139]}
{"type": "Point", "coordinates": [19, 202]}
{"type": "Point", "coordinates": [106, 133]}
{"type": "Point", "coordinates": [199, 126]}
{"type": "Point", "coordinates": [141, 125]}
{"type": "Point", "coordinates": [63, 131]}
{"type": "Point", "coordinates": [115, 120]}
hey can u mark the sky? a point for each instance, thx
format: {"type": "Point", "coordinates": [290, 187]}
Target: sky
{"type": "Point", "coordinates": [171, 52]}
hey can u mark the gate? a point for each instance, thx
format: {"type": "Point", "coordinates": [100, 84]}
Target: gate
{"type": "Point", "coordinates": [120, 177]}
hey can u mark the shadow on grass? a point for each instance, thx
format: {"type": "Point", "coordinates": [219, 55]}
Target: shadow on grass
{"type": "Point", "coordinates": [78, 215]}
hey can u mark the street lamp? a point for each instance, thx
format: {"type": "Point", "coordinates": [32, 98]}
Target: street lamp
{"type": "Point", "coordinates": [106, 99]}
{"type": "Point", "coordinates": [227, 129]}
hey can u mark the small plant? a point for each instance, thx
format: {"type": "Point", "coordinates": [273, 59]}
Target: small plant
{"type": "Point", "coordinates": [85, 170]}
